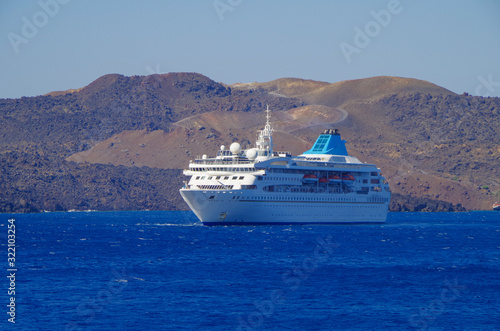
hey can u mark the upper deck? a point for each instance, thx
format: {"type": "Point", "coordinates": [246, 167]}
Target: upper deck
{"type": "Point", "coordinates": [328, 153]}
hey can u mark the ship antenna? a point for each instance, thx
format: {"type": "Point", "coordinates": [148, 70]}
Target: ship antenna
{"type": "Point", "coordinates": [268, 115]}
{"type": "Point", "coordinates": [266, 134]}
{"type": "Point", "coordinates": [268, 129]}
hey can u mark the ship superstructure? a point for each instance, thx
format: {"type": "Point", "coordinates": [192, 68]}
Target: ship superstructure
{"type": "Point", "coordinates": [260, 186]}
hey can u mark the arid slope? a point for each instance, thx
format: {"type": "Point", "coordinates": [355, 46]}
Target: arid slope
{"type": "Point", "coordinates": [435, 147]}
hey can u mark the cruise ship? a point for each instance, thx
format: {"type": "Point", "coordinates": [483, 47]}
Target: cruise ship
{"type": "Point", "coordinates": [260, 186]}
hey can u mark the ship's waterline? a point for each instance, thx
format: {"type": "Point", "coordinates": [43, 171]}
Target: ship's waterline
{"type": "Point", "coordinates": [260, 186]}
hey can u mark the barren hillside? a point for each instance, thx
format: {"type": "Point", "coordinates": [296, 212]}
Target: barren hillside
{"type": "Point", "coordinates": [436, 148]}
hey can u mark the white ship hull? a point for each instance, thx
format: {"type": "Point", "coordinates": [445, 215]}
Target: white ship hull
{"type": "Point", "coordinates": [259, 186]}
{"type": "Point", "coordinates": [282, 208]}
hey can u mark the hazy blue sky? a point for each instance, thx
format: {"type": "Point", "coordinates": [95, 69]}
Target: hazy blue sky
{"type": "Point", "coordinates": [50, 45]}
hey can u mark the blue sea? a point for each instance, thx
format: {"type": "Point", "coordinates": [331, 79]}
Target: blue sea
{"type": "Point", "coordinates": [158, 270]}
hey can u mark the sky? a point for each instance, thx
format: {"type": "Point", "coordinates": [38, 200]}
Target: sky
{"type": "Point", "coordinates": [54, 45]}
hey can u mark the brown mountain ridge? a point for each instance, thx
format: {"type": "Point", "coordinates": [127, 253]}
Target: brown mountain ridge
{"type": "Point", "coordinates": [437, 149]}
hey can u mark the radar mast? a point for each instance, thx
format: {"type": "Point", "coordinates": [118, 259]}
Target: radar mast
{"type": "Point", "coordinates": [265, 139]}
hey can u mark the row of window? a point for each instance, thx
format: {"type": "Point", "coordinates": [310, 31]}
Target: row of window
{"type": "Point", "coordinates": [379, 199]}
{"type": "Point", "coordinates": [215, 187]}
{"type": "Point", "coordinates": [292, 199]}
{"type": "Point", "coordinates": [272, 178]}
{"type": "Point", "coordinates": [288, 199]}
{"type": "Point", "coordinates": [223, 169]}
{"type": "Point", "coordinates": [220, 177]}
{"type": "Point", "coordinates": [248, 187]}
{"type": "Point", "coordinates": [360, 205]}
{"type": "Point", "coordinates": [296, 179]}
{"type": "Point", "coordinates": [307, 189]}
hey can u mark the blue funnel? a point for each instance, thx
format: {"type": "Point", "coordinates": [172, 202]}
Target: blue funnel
{"type": "Point", "coordinates": [329, 143]}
